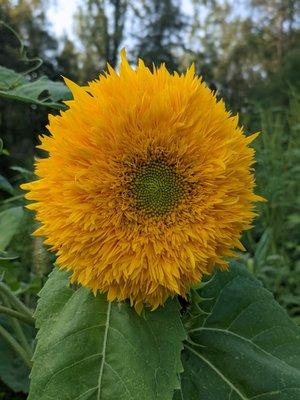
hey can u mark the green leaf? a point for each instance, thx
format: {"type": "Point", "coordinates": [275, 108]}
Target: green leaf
{"type": "Point", "coordinates": [6, 186]}
{"type": "Point", "coordinates": [40, 92]}
{"type": "Point", "coordinates": [294, 219]}
{"type": "Point", "coordinates": [91, 349]}
{"type": "Point", "coordinates": [10, 78]}
{"type": "Point", "coordinates": [6, 256]}
{"type": "Point", "coordinates": [10, 220]}
{"type": "Point", "coordinates": [244, 346]}
{"type": "Point", "coordinates": [263, 246]}
{"type": "Point", "coordinates": [2, 150]}
{"type": "Point", "coordinates": [23, 171]}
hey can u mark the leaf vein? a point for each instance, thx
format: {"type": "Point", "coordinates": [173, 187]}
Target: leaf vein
{"type": "Point", "coordinates": [84, 393]}
{"type": "Point", "coordinates": [246, 340]}
{"type": "Point", "coordinates": [104, 350]}
{"type": "Point", "coordinates": [69, 366]}
{"type": "Point", "coordinates": [214, 368]}
{"type": "Point", "coordinates": [217, 300]}
{"type": "Point", "coordinates": [274, 392]}
{"type": "Point", "coordinates": [120, 378]}
{"type": "Point", "coordinates": [241, 313]}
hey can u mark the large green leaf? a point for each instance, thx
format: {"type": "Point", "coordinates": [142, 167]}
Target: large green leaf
{"type": "Point", "coordinates": [10, 78]}
{"type": "Point", "coordinates": [242, 344]}
{"type": "Point", "coordinates": [10, 220]}
{"type": "Point", "coordinates": [41, 91]}
{"type": "Point", "coordinates": [90, 349]}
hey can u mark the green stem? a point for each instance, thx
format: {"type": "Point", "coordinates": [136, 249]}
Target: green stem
{"type": "Point", "coordinates": [17, 314]}
{"type": "Point", "coordinates": [22, 338]}
{"type": "Point", "coordinates": [55, 106]}
{"type": "Point", "coordinates": [15, 346]}
{"type": "Point", "coordinates": [15, 302]}
{"type": "Point", "coordinates": [22, 51]}
{"type": "Point", "coordinates": [19, 196]}
{"type": "Point", "coordinates": [17, 326]}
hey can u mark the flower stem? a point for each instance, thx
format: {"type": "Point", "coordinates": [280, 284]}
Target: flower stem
{"type": "Point", "coordinates": [12, 298]}
{"type": "Point", "coordinates": [16, 324]}
{"type": "Point", "coordinates": [15, 346]}
{"type": "Point", "coordinates": [17, 315]}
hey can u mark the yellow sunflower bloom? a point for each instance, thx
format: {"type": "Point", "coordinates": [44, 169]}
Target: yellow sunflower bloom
{"type": "Point", "coordinates": [148, 184]}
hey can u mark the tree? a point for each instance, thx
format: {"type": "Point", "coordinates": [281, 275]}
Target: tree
{"type": "Point", "coordinates": [24, 19]}
{"type": "Point", "coordinates": [68, 60]}
{"type": "Point", "coordinates": [252, 56]}
{"type": "Point", "coordinates": [100, 28]}
{"type": "Point", "coordinates": [28, 19]}
{"type": "Point", "coordinates": [160, 27]}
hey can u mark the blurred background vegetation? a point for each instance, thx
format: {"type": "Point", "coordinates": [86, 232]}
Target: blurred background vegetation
{"type": "Point", "coordinates": [246, 50]}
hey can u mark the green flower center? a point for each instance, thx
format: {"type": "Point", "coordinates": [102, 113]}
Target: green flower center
{"type": "Point", "coordinates": [157, 188]}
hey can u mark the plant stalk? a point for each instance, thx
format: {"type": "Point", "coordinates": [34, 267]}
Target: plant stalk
{"type": "Point", "coordinates": [15, 302]}
{"type": "Point", "coordinates": [18, 315]}
{"type": "Point", "coordinates": [16, 324]}
{"type": "Point", "coordinates": [15, 346]}
{"type": "Point", "coordinates": [17, 328]}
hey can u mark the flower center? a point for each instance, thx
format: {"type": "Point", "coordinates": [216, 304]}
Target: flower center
{"type": "Point", "coordinates": [157, 188]}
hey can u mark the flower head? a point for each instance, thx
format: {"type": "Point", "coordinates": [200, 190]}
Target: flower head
{"type": "Point", "coordinates": [148, 184]}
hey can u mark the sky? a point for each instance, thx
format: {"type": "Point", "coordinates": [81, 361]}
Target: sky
{"type": "Point", "coordinates": [60, 15]}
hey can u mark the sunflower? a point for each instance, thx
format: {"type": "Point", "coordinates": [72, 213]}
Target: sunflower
{"type": "Point", "coordinates": [148, 184]}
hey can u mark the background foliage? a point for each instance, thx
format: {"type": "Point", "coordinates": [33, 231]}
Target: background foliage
{"type": "Point", "coordinates": [247, 50]}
